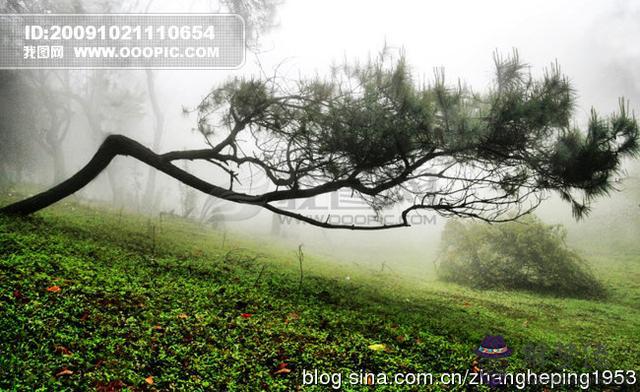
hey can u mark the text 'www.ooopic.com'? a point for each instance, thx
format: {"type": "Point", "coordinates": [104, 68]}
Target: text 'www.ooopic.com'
{"type": "Point", "coordinates": [47, 52]}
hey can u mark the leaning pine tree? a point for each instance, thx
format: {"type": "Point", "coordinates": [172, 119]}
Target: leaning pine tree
{"type": "Point", "coordinates": [370, 128]}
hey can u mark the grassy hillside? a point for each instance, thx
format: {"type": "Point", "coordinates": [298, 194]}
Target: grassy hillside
{"type": "Point", "coordinates": [94, 299]}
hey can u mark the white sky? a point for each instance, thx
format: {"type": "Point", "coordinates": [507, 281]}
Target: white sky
{"type": "Point", "coordinates": [595, 42]}
{"type": "Point", "coordinates": [460, 35]}
{"type": "Point", "coordinates": [590, 39]}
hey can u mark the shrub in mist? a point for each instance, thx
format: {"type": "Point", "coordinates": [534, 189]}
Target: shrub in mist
{"type": "Point", "coordinates": [523, 255]}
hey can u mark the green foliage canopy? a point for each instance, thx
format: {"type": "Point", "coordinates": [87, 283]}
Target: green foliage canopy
{"type": "Point", "coordinates": [372, 128]}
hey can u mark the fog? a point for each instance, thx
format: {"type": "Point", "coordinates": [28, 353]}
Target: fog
{"type": "Point", "coordinates": [595, 43]}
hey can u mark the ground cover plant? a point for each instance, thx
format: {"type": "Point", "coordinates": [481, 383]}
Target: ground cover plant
{"type": "Point", "coordinates": [93, 299]}
{"type": "Point", "coordinates": [525, 255]}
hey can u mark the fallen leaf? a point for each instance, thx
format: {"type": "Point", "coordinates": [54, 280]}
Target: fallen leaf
{"type": "Point", "coordinates": [282, 365]}
{"type": "Point", "coordinates": [292, 316]}
{"type": "Point", "coordinates": [17, 294]}
{"type": "Point", "coordinates": [466, 304]}
{"type": "Point", "coordinates": [378, 347]}
{"type": "Point", "coordinates": [157, 328]}
{"type": "Point", "coordinates": [62, 350]}
{"type": "Point", "coordinates": [246, 315]}
{"type": "Point", "coordinates": [183, 316]}
{"type": "Point", "coordinates": [400, 338]}
{"type": "Point", "coordinates": [112, 386]}
{"type": "Point", "coordinates": [54, 289]}
{"type": "Point", "coordinates": [282, 371]}
{"type": "Point", "coordinates": [369, 380]}
{"type": "Point", "coordinates": [149, 380]}
{"type": "Point", "coordinates": [64, 372]}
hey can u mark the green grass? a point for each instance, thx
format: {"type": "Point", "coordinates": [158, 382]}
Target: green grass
{"type": "Point", "coordinates": [144, 297]}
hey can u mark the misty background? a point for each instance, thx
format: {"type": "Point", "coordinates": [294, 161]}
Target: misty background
{"type": "Point", "coordinates": [593, 41]}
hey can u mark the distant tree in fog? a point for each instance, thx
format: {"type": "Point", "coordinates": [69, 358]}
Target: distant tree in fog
{"type": "Point", "coordinates": [49, 104]}
{"type": "Point", "coordinates": [91, 92]}
{"type": "Point", "coordinates": [371, 129]}
{"type": "Point", "coordinates": [259, 17]}
{"type": "Point", "coordinates": [54, 115]}
{"type": "Point", "coordinates": [16, 140]}
{"type": "Point", "coordinates": [40, 115]}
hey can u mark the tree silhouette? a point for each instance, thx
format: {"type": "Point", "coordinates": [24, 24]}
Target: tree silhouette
{"type": "Point", "coordinates": [370, 128]}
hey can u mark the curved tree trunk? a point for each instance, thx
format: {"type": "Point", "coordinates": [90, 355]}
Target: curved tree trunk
{"type": "Point", "coordinates": [121, 145]}
{"type": "Point", "coordinates": [112, 146]}
{"type": "Point", "coordinates": [98, 163]}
